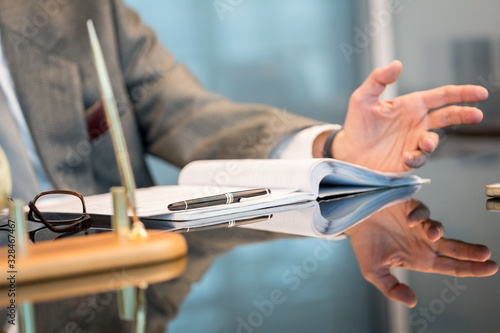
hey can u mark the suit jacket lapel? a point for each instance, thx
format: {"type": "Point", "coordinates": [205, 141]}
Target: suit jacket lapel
{"type": "Point", "coordinates": [49, 90]}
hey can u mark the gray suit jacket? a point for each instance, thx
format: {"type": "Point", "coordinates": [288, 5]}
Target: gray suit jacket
{"type": "Point", "coordinates": [163, 109]}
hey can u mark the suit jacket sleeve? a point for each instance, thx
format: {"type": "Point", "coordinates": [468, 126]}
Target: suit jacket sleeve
{"type": "Point", "coordinates": [181, 121]}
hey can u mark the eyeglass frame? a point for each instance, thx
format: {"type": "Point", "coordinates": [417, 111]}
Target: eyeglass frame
{"type": "Point", "coordinates": [82, 222]}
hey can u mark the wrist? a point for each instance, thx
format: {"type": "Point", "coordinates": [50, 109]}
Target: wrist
{"type": "Point", "coordinates": [323, 145]}
{"type": "Point", "coordinates": [308, 142]}
{"type": "Point", "coordinates": [339, 147]}
{"type": "Point", "coordinates": [319, 144]}
{"type": "Point", "coordinates": [328, 146]}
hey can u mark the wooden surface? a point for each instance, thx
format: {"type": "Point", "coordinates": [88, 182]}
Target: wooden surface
{"type": "Point", "coordinates": [89, 254]}
{"type": "Point", "coordinates": [99, 282]}
{"type": "Point", "coordinates": [5, 180]}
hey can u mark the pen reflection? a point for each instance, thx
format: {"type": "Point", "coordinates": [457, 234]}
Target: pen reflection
{"type": "Point", "coordinates": [404, 235]}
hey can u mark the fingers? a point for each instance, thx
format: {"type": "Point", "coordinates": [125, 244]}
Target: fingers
{"type": "Point", "coordinates": [463, 251]}
{"type": "Point", "coordinates": [460, 268]}
{"type": "Point", "coordinates": [439, 97]}
{"type": "Point", "coordinates": [433, 229]}
{"type": "Point", "coordinates": [414, 159]}
{"type": "Point", "coordinates": [463, 259]}
{"type": "Point", "coordinates": [375, 84]}
{"type": "Point", "coordinates": [418, 214]}
{"type": "Point", "coordinates": [454, 115]}
{"type": "Point", "coordinates": [427, 143]}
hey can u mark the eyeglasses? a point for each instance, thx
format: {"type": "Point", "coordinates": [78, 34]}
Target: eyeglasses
{"type": "Point", "coordinates": [42, 209]}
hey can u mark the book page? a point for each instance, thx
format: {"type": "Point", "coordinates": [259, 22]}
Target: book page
{"type": "Point", "coordinates": [342, 173]}
{"type": "Point", "coordinates": [271, 174]}
{"type": "Point", "coordinates": [153, 202]}
{"type": "Point", "coordinates": [339, 178]}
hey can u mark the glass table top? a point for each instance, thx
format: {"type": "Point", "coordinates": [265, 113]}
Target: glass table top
{"type": "Point", "coordinates": [296, 272]}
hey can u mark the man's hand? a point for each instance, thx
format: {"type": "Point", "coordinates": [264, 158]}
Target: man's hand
{"type": "Point", "coordinates": [394, 135]}
{"type": "Point", "coordinates": [403, 236]}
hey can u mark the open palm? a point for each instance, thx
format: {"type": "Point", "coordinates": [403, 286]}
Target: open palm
{"type": "Point", "coordinates": [395, 135]}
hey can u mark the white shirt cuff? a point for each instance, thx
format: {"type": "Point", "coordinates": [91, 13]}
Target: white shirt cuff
{"type": "Point", "coordinates": [300, 145]}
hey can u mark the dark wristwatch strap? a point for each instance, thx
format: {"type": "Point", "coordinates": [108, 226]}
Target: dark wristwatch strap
{"type": "Point", "coordinates": [327, 148]}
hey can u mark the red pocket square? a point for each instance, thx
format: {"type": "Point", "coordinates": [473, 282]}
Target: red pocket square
{"type": "Point", "coordinates": [97, 124]}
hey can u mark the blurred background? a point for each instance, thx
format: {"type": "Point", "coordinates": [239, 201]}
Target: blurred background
{"type": "Point", "coordinates": [283, 53]}
{"type": "Point", "coordinates": [307, 57]}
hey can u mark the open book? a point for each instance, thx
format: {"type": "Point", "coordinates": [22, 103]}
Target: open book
{"type": "Point", "coordinates": [291, 182]}
{"type": "Point", "coordinates": [320, 178]}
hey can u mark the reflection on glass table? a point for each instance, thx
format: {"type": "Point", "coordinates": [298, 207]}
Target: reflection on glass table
{"type": "Point", "coordinates": [130, 284]}
{"type": "Point", "coordinates": [493, 205]}
{"type": "Point", "coordinates": [329, 218]}
{"type": "Point", "coordinates": [403, 235]}
{"type": "Point", "coordinates": [386, 229]}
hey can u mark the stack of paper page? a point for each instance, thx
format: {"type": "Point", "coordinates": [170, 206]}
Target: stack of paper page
{"type": "Point", "coordinates": [292, 183]}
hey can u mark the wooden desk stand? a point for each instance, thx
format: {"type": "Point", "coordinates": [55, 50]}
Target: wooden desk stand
{"type": "Point", "coordinates": [88, 254]}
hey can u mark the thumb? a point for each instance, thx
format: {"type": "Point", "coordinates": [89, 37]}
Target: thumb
{"type": "Point", "coordinates": [390, 286]}
{"type": "Point", "coordinates": [375, 84]}
{"type": "Point", "coordinates": [402, 293]}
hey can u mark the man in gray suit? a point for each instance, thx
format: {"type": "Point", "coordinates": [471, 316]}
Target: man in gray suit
{"type": "Point", "coordinates": [51, 94]}
{"type": "Point", "coordinates": [166, 112]}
